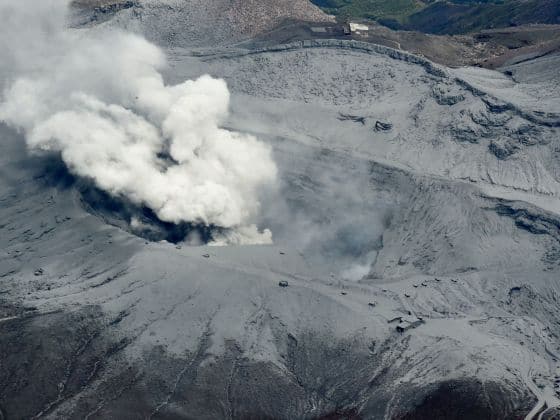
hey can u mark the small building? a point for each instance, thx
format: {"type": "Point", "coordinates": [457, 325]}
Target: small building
{"type": "Point", "coordinates": [409, 323]}
{"type": "Point", "coordinates": [358, 28]}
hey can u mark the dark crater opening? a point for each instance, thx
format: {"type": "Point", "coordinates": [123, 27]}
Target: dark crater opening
{"type": "Point", "coordinates": [139, 220]}
{"type": "Point", "coordinates": [121, 212]}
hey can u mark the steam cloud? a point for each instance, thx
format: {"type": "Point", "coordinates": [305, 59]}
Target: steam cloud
{"type": "Point", "coordinates": [98, 99]}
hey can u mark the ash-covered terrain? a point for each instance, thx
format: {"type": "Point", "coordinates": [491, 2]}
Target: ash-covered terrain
{"type": "Point", "coordinates": [412, 266]}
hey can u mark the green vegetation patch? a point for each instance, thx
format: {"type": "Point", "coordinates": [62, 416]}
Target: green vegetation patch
{"type": "Point", "coordinates": [446, 16]}
{"type": "Point", "coordinates": [397, 10]}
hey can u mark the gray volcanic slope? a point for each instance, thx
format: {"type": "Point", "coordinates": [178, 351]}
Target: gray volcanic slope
{"type": "Point", "coordinates": [417, 224]}
{"type": "Point", "coordinates": [196, 22]}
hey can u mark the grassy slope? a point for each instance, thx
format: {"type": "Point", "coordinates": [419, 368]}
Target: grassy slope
{"type": "Point", "coordinates": [455, 16]}
{"type": "Point", "coordinates": [398, 10]}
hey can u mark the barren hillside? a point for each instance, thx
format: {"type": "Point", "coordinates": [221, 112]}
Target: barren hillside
{"type": "Point", "coordinates": [196, 22]}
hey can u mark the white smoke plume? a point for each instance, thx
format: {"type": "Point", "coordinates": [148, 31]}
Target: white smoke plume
{"type": "Point", "coordinates": [98, 98]}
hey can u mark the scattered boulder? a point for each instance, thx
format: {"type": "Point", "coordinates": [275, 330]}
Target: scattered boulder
{"type": "Point", "coordinates": [503, 149]}
{"type": "Point", "coordinates": [444, 96]}
{"type": "Point", "coordinates": [465, 133]}
{"type": "Point", "coordinates": [383, 126]}
{"type": "Point", "coordinates": [516, 292]}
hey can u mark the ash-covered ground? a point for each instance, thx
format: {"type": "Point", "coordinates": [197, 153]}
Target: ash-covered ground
{"type": "Point", "coordinates": [413, 272]}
